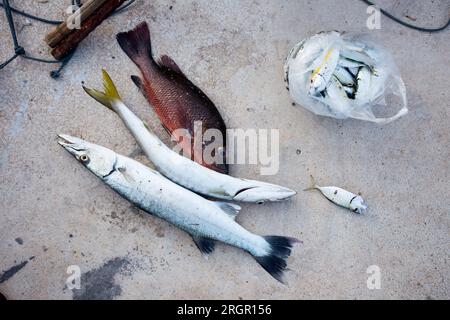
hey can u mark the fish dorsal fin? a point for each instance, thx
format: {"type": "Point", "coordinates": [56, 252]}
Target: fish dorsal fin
{"type": "Point", "coordinates": [167, 62]}
{"type": "Point", "coordinates": [205, 245]}
{"type": "Point", "coordinates": [231, 209]}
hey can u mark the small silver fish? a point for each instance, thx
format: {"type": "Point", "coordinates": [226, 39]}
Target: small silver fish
{"type": "Point", "coordinates": [358, 56]}
{"type": "Point", "coordinates": [350, 64]}
{"type": "Point", "coordinates": [322, 74]}
{"type": "Point", "coordinates": [344, 76]}
{"type": "Point", "coordinates": [337, 97]}
{"type": "Point", "coordinates": [363, 84]}
{"type": "Point", "coordinates": [341, 197]}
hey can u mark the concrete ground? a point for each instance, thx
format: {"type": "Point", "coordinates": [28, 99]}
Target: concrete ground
{"type": "Point", "coordinates": [54, 213]}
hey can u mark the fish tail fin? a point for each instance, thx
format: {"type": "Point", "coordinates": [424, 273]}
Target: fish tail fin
{"type": "Point", "coordinates": [110, 93]}
{"type": "Point", "coordinates": [136, 44]}
{"type": "Point", "coordinates": [275, 261]}
{"type": "Point", "coordinates": [313, 185]}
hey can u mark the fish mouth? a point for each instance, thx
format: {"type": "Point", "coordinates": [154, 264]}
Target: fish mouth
{"type": "Point", "coordinates": [71, 144]}
{"type": "Point", "coordinates": [361, 210]}
{"type": "Point", "coordinates": [358, 204]}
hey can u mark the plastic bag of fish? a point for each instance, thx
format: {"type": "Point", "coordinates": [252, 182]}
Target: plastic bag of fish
{"type": "Point", "coordinates": [343, 76]}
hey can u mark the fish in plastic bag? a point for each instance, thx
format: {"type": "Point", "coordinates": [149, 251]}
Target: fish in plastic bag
{"type": "Point", "coordinates": [343, 76]}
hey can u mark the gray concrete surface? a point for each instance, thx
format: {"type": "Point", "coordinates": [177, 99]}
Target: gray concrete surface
{"type": "Point", "coordinates": [54, 213]}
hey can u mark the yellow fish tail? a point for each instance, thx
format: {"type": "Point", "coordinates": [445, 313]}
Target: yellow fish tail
{"type": "Point", "coordinates": [110, 93]}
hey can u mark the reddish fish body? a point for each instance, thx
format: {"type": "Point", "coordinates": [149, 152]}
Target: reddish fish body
{"type": "Point", "coordinates": [175, 99]}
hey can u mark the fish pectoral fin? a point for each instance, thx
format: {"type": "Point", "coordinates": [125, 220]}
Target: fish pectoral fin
{"type": "Point", "coordinates": [205, 245]}
{"type": "Point", "coordinates": [231, 209]}
{"type": "Point", "coordinates": [126, 175]}
{"type": "Point", "coordinates": [167, 62]}
{"type": "Point", "coordinates": [138, 82]}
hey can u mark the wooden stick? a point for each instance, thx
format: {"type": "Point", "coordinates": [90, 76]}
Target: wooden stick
{"type": "Point", "coordinates": [62, 30]}
{"type": "Point", "coordinates": [72, 40]}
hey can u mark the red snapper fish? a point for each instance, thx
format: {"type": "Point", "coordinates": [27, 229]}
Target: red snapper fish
{"type": "Point", "coordinates": [178, 103]}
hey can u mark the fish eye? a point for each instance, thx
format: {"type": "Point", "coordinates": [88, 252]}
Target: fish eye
{"type": "Point", "coordinates": [84, 158]}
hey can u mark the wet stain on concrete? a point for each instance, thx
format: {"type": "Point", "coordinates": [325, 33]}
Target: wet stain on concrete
{"type": "Point", "coordinates": [99, 283]}
{"type": "Point", "coordinates": [8, 274]}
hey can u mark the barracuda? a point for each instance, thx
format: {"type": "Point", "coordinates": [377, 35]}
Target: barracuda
{"type": "Point", "coordinates": [205, 220]}
{"type": "Point", "coordinates": [182, 170]}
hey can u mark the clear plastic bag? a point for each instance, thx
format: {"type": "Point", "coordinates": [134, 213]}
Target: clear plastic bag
{"type": "Point", "coordinates": [325, 75]}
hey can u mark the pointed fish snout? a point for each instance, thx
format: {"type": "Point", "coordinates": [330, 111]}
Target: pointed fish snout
{"type": "Point", "coordinates": [264, 193]}
{"type": "Point", "coordinates": [64, 139]}
{"type": "Point", "coordinates": [71, 144]}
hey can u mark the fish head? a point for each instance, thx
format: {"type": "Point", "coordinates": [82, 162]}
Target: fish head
{"type": "Point", "coordinates": [100, 160]}
{"type": "Point", "coordinates": [317, 84]}
{"type": "Point", "coordinates": [264, 192]}
{"type": "Point", "coordinates": [357, 205]}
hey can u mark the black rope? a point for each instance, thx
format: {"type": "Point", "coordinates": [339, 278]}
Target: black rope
{"type": "Point", "coordinates": [56, 22]}
{"type": "Point", "coordinates": [27, 15]}
{"type": "Point", "coordinates": [403, 23]}
{"type": "Point", "coordinates": [4, 64]}
{"type": "Point", "coordinates": [56, 73]}
{"type": "Point", "coordinates": [19, 51]}
{"type": "Point", "coordinates": [123, 7]}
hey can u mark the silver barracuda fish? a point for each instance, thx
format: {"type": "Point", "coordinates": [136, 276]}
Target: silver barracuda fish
{"type": "Point", "coordinates": [206, 221]}
{"type": "Point", "coordinates": [182, 170]}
